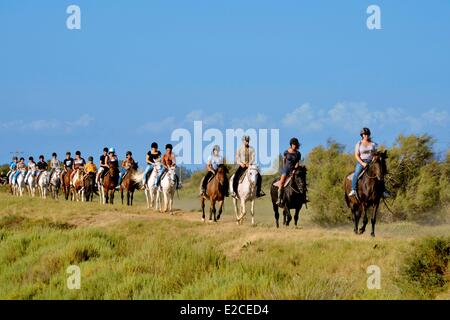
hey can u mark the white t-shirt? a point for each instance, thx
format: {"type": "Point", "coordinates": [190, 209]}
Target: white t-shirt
{"type": "Point", "coordinates": [215, 161]}
{"type": "Point", "coordinates": [365, 152]}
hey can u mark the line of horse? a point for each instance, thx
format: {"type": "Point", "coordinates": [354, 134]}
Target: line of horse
{"type": "Point", "coordinates": [160, 198]}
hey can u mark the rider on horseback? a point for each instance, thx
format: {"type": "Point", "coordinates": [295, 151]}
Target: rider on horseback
{"type": "Point", "coordinates": [12, 169]}
{"type": "Point", "coordinates": [168, 160]}
{"type": "Point", "coordinates": [90, 167]}
{"type": "Point", "coordinates": [42, 166]}
{"type": "Point", "coordinates": [78, 164]}
{"type": "Point", "coordinates": [126, 164]}
{"type": "Point", "coordinates": [364, 150]}
{"type": "Point", "coordinates": [54, 164]}
{"type": "Point", "coordinates": [31, 168]}
{"type": "Point", "coordinates": [291, 161]}
{"type": "Point", "coordinates": [20, 166]}
{"type": "Point", "coordinates": [245, 157]}
{"type": "Point", "coordinates": [150, 158]}
{"type": "Point", "coordinates": [103, 164]}
{"type": "Point", "coordinates": [214, 160]}
{"type": "Point", "coordinates": [68, 164]}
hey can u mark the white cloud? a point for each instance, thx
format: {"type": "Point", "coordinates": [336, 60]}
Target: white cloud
{"type": "Point", "coordinates": [168, 123]}
{"type": "Point", "coordinates": [258, 120]}
{"type": "Point", "coordinates": [47, 125]}
{"type": "Point", "coordinates": [208, 119]}
{"type": "Point", "coordinates": [350, 116]}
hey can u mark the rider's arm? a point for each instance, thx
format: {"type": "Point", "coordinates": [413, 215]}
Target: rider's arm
{"type": "Point", "coordinates": [174, 160]}
{"type": "Point", "coordinates": [252, 155]}
{"type": "Point", "coordinates": [238, 157]}
{"type": "Point", "coordinates": [357, 155]}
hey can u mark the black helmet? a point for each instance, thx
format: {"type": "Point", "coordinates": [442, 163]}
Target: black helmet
{"type": "Point", "coordinates": [31, 158]}
{"type": "Point", "coordinates": [154, 145]}
{"type": "Point", "coordinates": [68, 153]}
{"type": "Point", "coordinates": [169, 146]}
{"type": "Point", "coordinates": [294, 141]}
{"type": "Point", "coordinates": [365, 131]}
{"type": "Point", "coordinates": [22, 159]}
{"type": "Point", "coordinates": [105, 149]}
{"type": "Point", "coordinates": [54, 154]}
{"type": "Point", "coordinates": [129, 153]}
{"type": "Point", "coordinates": [90, 158]}
{"type": "Point", "coordinates": [41, 157]}
{"type": "Point", "coordinates": [78, 153]}
{"type": "Point", "coordinates": [14, 158]}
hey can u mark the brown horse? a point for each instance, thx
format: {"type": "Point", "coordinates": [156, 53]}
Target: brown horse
{"type": "Point", "coordinates": [370, 191]}
{"type": "Point", "coordinates": [110, 181]}
{"type": "Point", "coordinates": [130, 183]}
{"type": "Point", "coordinates": [65, 180]}
{"type": "Point", "coordinates": [89, 186]}
{"type": "Point", "coordinates": [216, 190]}
{"type": "Point", "coordinates": [78, 186]}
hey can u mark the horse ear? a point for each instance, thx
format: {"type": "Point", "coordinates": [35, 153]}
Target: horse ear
{"type": "Point", "coordinates": [385, 154]}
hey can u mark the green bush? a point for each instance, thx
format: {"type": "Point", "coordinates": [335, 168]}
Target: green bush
{"type": "Point", "coordinates": [327, 167]}
{"type": "Point", "coordinates": [427, 266]}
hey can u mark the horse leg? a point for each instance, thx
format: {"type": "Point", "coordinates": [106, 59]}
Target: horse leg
{"type": "Point", "coordinates": [121, 194]}
{"type": "Point", "coordinates": [131, 200]}
{"type": "Point", "coordinates": [236, 210]}
{"type": "Point", "coordinates": [356, 215]}
{"type": "Point", "coordinates": [365, 219]}
{"type": "Point", "coordinates": [296, 215]}
{"type": "Point", "coordinates": [374, 218]}
{"type": "Point", "coordinates": [112, 196]}
{"type": "Point", "coordinates": [243, 211]}
{"type": "Point", "coordinates": [288, 215]}
{"type": "Point", "coordinates": [220, 209]}
{"type": "Point", "coordinates": [277, 214]}
{"type": "Point", "coordinates": [202, 202]}
{"type": "Point", "coordinates": [212, 209]}
{"type": "Point", "coordinates": [252, 211]}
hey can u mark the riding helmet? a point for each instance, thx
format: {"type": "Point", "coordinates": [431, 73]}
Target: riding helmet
{"type": "Point", "coordinates": [41, 157]}
{"type": "Point", "coordinates": [365, 131]}
{"type": "Point", "coordinates": [294, 141]}
{"type": "Point", "coordinates": [129, 153]}
{"type": "Point", "coordinates": [68, 153]}
{"type": "Point", "coordinates": [105, 149]}
{"type": "Point", "coordinates": [169, 146]}
{"type": "Point", "coordinates": [78, 153]}
{"type": "Point", "coordinates": [90, 158]}
{"type": "Point", "coordinates": [22, 159]}
{"type": "Point", "coordinates": [112, 150]}
{"type": "Point", "coordinates": [31, 158]}
{"type": "Point", "coordinates": [54, 154]}
{"type": "Point", "coordinates": [154, 145]}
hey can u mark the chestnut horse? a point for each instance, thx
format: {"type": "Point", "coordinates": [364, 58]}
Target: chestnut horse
{"type": "Point", "coordinates": [216, 190]}
{"type": "Point", "coordinates": [130, 183]}
{"type": "Point", "coordinates": [108, 184]}
{"type": "Point", "coordinates": [370, 191]}
{"type": "Point", "coordinates": [65, 180]}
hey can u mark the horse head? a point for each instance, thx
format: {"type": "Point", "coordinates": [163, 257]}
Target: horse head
{"type": "Point", "coordinates": [252, 173]}
{"type": "Point", "coordinates": [378, 166]}
{"type": "Point", "coordinates": [221, 174]}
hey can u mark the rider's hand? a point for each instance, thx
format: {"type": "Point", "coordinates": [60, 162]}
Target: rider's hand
{"type": "Point", "coordinates": [364, 164]}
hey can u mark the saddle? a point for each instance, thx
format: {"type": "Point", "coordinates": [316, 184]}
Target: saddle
{"type": "Point", "coordinates": [350, 176]}
{"type": "Point", "coordinates": [286, 183]}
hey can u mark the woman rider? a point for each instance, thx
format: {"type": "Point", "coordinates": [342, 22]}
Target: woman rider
{"type": "Point", "coordinates": [168, 160]}
{"type": "Point", "coordinates": [12, 169]}
{"type": "Point", "coordinates": [78, 163]}
{"type": "Point", "coordinates": [126, 164]}
{"type": "Point", "coordinates": [364, 150]}
{"type": "Point", "coordinates": [291, 161]}
{"type": "Point", "coordinates": [54, 164]}
{"type": "Point", "coordinates": [42, 166]}
{"type": "Point", "coordinates": [20, 166]}
{"type": "Point", "coordinates": [31, 168]}
{"type": "Point", "coordinates": [214, 160]}
{"type": "Point", "coordinates": [113, 161]}
{"type": "Point", "coordinates": [150, 158]}
{"type": "Point", "coordinates": [103, 164]}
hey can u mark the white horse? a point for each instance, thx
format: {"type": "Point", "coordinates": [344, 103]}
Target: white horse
{"type": "Point", "coordinates": [43, 184]}
{"type": "Point", "coordinates": [247, 192]}
{"type": "Point", "coordinates": [151, 192]}
{"type": "Point", "coordinates": [168, 186]}
{"type": "Point", "coordinates": [31, 183]}
{"type": "Point", "coordinates": [19, 184]}
{"type": "Point", "coordinates": [55, 183]}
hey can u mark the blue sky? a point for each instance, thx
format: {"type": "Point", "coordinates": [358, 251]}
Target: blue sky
{"type": "Point", "coordinates": [139, 69]}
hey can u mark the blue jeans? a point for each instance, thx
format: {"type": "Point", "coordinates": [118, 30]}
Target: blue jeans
{"type": "Point", "coordinates": [147, 170]}
{"type": "Point", "coordinates": [358, 169]}
{"type": "Point", "coordinates": [14, 179]}
{"type": "Point", "coordinates": [121, 173]}
{"type": "Point", "coordinates": [163, 169]}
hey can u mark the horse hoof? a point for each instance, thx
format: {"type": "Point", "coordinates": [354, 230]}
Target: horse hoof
{"type": "Point", "coordinates": [373, 234]}
{"type": "Point", "coordinates": [361, 231]}
{"type": "Point", "coordinates": [203, 219]}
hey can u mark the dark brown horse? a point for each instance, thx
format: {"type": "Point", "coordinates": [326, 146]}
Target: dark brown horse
{"type": "Point", "coordinates": [109, 183]}
{"type": "Point", "coordinates": [216, 190]}
{"type": "Point", "coordinates": [65, 182]}
{"type": "Point", "coordinates": [130, 183]}
{"type": "Point", "coordinates": [294, 196]}
{"type": "Point", "coordinates": [369, 192]}
{"type": "Point", "coordinates": [89, 186]}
